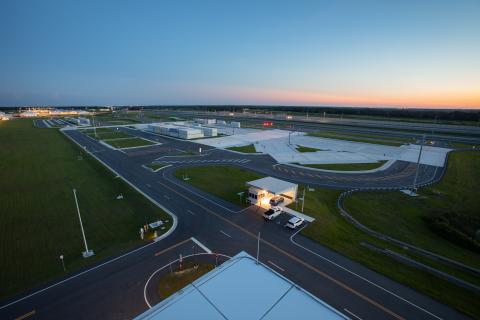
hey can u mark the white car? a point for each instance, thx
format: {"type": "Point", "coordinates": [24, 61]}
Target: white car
{"type": "Point", "coordinates": [294, 222]}
{"type": "Point", "coordinates": [272, 213]}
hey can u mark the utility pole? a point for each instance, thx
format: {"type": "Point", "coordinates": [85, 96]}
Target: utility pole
{"type": "Point", "coordinates": [258, 246]}
{"type": "Point", "coordinates": [94, 128]}
{"type": "Point", "coordinates": [63, 263]}
{"type": "Point", "coordinates": [87, 253]}
{"type": "Point", "coordinates": [303, 199]}
{"type": "Point", "coordinates": [418, 164]}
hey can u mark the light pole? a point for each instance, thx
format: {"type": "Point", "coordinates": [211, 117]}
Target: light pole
{"type": "Point", "coordinates": [303, 199]}
{"type": "Point", "coordinates": [258, 246]}
{"type": "Point", "coordinates": [63, 263]}
{"type": "Point", "coordinates": [418, 164]}
{"type": "Point", "coordinates": [87, 253]}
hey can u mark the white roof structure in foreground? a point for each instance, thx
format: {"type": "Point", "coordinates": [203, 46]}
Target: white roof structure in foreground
{"type": "Point", "coordinates": [242, 289]}
{"type": "Point", "coordinates": [272, 185]}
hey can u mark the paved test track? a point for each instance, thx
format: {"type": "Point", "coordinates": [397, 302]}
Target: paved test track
{"type": "Point", "coordinates": [115, 290]}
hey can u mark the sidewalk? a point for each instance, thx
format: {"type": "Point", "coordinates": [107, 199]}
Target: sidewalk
{"type": "Point", "coordinates": [298, 214]}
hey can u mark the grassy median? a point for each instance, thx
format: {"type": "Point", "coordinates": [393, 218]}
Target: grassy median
{"type": "Point", "coordinates": [366, 138]}
{"type": "Point", "coordinates": [347, 166]}
{"type": "Point", "coordinates": [250, 148]}
{"type": "Point", "coordinates": [129, 143]}
{"type": "Point", "coordinates": [454, 201]}
{"type": "Point", "coordinates": [224, 182]}
{"type": "Point", "coordinates": [38, 219]}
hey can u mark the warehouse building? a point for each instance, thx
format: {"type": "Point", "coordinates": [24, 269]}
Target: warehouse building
{"type": "Point", "coordinates": [176, 131]}
{"type": "Point", "coordinates": [242, 288]}
{"type": "Point", "coordinates": [261, 191]}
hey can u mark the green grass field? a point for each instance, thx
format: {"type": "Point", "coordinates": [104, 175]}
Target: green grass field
{"type": "Point", "coordinates": [105, 133]}
{"type": "Point", "coordinates": [172, 282]}
{"type": "Point", "coordinates": [458, 192]}
{"type": "Point", "coordinates": [332, 230]}
{"type": "Point", "coordinates": [129, 143]}
{"type": "Point", "coordinates": [366, 138]}
{"type": "Point", "coordinates": [228, 181]}
{"type": "Point", "coordinates": [347, 166]}
{"type": "Point", "coordinates": [245, 149]}
{"type": "Point", "coordinates": [306, 149]}
{"type": "Point", "coordinates": [38, 219]}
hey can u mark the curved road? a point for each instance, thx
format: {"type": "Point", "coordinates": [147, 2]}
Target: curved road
{"type": "Point", "coordinates": [114, 289]}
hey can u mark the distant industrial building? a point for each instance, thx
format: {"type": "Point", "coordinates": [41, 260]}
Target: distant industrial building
{"type": "Point", "coordinates": [242, 288]}
{"type": "Point", "coordinates": [79, 121]}
{"type": "Point", "coordinates": [205, 121]}
{"type": "Point", "coordinates": [182, 130]}
{"type": "Point", "coordinates": [4, 116]}
{"type": "Point", "coordinates": [42, 112]}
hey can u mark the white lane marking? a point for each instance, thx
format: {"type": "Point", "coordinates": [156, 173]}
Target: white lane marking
{"type": "Point", "coordinates": [221, 231]}
{"type": "Point", "coordinates": [201, 245]}
{"type": "Point", "coordinates": [166, 197]}
{"type": "Point", "coordinates": [352, 314]}
{"type": "Point", "coordinates": [359, 276]}
{"type": "Point", "coordinates": [76, 276]}
{"type": "Point", "coordinates": [276, 266]}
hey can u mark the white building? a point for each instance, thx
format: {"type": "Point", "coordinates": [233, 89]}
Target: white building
{"type": "Point", "coordinates": [262, 190]}
{"type": "Point", "coordinates": [176, 131]}
{"type": "Point", "coordinates": [209, 132]}
{"type": "Point", "coordinates": [241, 289]}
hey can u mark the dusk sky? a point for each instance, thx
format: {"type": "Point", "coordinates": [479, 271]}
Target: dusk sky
{"type": "Point", "coordinates": [348, 53]}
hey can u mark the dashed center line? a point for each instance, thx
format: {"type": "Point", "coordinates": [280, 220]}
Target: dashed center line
{"type": "Point", "coordinates": [226, 234]}
{"type": "Point", "coordinates": [276, 266]}
{"type": "Point", "coordinates": [26, 315]}
{"type": "Point", "coordinates": [352, 314]}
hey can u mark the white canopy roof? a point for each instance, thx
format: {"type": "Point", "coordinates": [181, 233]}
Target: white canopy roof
{"type": "Point", "coordinates": [242, 289]}
{"type": "Point", "coordinates": [272, 185]}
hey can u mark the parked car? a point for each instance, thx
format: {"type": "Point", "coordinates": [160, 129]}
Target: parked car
{"type": "Point", "coordinates": [272, 213]}
{"type": "Point", "coordinates": [294, 222]}
{"type": "Point", "coordinates": [275, 201]}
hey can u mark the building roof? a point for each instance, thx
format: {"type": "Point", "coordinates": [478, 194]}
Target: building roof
{"type": "Point", "coordinates": [242, 289]}
{"type": "Point", "coordinates": [272, 185]}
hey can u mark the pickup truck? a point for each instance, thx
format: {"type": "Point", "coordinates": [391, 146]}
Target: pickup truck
{"type": "Point", "coordinates": [272, 213]}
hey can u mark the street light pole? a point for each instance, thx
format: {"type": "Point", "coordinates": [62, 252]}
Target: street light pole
{"type": "Point", "coordinates": [303, 199]}
{"type": "Point", "coordinates": [258, 246]}
{"type": "Point", "coordinates": [87, 253]}
{"type": "Point", "coordinates": [63, 263]}
{"type": "Point", "coordinates": [418, 164]}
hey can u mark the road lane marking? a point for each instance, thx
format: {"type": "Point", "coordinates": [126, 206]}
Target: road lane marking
{"type": "Point", "coordinates": [300, 261]}
{"type": "Point", "coordinates": [359, 276]}
{"type": "Point", "coordinates": [192, 213]}
{"type": "Point", "coordinates": [276, 266]}
{"type": "Point", "coordinates": [221, 231]}
{"type": "Point", "coordinates": [159, 253]}
{"type": "Point", "coordinates": [26, 315]}
{"type": "Point", "coordinates": [201, 245]}
{"type": "Point", "coordinates": [352, 314]}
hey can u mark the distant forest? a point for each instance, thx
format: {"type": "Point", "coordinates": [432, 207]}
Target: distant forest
{"type": "Point", "coordinates": [407, 113]}
{"type": "Point", "coordinates": [471, 115]}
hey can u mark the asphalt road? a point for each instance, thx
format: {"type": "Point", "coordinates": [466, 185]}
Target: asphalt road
{"type": "Point", "coordinates": [403, 129]}
{"type": "Point", "coordinates": [115, 289]}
